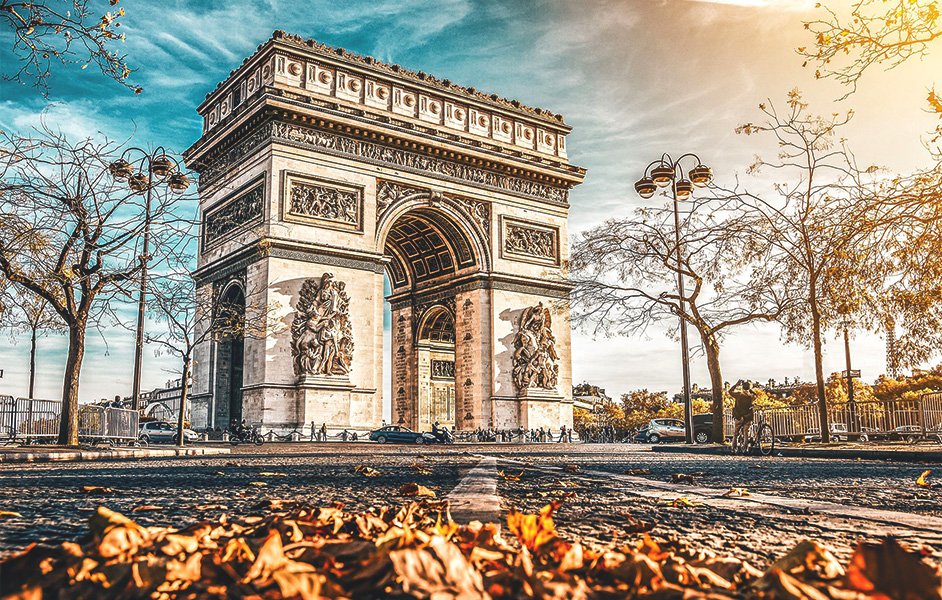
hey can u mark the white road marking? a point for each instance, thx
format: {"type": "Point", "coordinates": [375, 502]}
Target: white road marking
{"type": "Point", "coordinates": [475, 497]}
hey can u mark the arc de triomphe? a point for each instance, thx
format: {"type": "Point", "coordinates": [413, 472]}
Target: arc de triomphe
{"type": "Point", "coordinates": [320, 171]}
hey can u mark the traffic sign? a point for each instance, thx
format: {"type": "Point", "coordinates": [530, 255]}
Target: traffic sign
{"type": "Point", "coordinates": [853, 373]}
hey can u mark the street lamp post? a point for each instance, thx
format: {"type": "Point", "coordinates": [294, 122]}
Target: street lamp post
{"type": "Point", "coordinates": [660, 173]}
{"type": "Point", "coordinates": [142, 175]}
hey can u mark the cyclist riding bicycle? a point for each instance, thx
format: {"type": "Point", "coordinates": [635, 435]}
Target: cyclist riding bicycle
{"type": "Point", "coordinates": [742, 411]}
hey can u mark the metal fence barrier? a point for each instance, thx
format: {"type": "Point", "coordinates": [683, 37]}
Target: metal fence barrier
{"type": "Point", "coordinates": [32, 420]}
{"type": "Point", "coordinates": [893, 420]}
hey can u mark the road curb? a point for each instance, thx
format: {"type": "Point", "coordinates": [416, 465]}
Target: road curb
{"type": "Point", "coordinates": [113, 454]}
{"type": "Point", "coordinates": [838, 453]}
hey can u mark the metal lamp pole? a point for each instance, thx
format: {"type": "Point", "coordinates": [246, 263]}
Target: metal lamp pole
{"type": "Point", "coordinates": [141, 179]}
{"type": "Point", "coordinates": [663, 172]}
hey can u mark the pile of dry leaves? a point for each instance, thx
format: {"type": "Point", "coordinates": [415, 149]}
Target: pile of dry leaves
{"type": "Point", "coordinates": [293, 550]}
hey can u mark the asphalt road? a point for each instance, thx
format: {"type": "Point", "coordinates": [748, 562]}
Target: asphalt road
{"type": "Point", "coordinates": [599, 501]}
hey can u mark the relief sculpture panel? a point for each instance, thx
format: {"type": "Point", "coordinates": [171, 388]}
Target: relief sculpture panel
{"type": "Point", "coordinates": [321, 335]}
{"type": "Point", "coordinates": [534, 359]}
{"type": "Point", "coordinates": [530, 242]}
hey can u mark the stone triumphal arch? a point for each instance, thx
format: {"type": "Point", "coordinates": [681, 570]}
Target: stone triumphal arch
{"type": "Point", "coordinates": [322, 171]}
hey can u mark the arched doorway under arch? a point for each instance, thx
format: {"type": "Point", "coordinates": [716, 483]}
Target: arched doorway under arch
{"type": "Point", "coordinates": [228, 317]}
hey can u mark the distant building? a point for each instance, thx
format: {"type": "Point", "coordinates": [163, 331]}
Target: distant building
{"type": "Point", "coordinates": [587, 396]}
{"type": "Point", "coordinates": [771, 387]}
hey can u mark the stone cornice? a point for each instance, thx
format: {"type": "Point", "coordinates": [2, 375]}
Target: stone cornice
{"type": "Point", "coordinates": [272, 102]}
{"type": "Point", "coordinates": [363, 144]}
{"type": "Point", "coordinates": [368, 64]}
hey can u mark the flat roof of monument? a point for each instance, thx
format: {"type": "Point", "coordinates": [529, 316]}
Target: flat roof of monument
{"type": "Point", "coordinates": [369, 63]}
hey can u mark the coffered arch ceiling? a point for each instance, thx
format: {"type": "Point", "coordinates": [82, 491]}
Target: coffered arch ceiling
{"type": "Point", "coordinates": [425, 246]}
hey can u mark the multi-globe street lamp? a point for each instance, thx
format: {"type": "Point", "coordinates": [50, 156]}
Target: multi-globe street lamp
{"type": "Point", "coordinates": [142, 174]}
{"type": "Point", "coordinates": [668, 172]}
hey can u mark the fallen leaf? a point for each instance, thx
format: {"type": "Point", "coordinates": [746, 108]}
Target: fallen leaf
{"type": "Point", "coordinates": [921, 480]}
{"type": "Point", "coordinates": [759, 467]}
{"type": "Point", "coordinates": [270, 474]}
{"type": "Point", "coordinates": [258, 483]}
{"type": "Point", "coordinates": [637, 472]}
{"type": "Point", "coordinates": [95, 490]}
{"type": "Point", "coordinates": [681, 478]}
{"type": "Point", "coordinates": [571, 468]}
{"type": "Point", "coordinates": [510, 477]}
{"type": "Point", "coordinates": [736, 492]}
{"type": "Point", "coordinates": [533, 530]}
{"type": "Point", "coordinates": [146, 508]}
{"type": "Point", "coordinates": [210, 507]}
{"type": "Point", "coordinates": [414, 489]}
{"type": "Point", "coordinates": [365, 471]}
{"type": "Point", "coordinates": [5, 514]}
{"type": "Point", "coordinates": [887, 569]}
{"type": "Point", "coordinates": [679, 502]}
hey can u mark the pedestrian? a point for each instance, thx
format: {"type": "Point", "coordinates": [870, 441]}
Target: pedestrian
{"type": "Point", "coordinates": [344, 435]}
{"type": "Point", "coordinates": [569, 435]}
{"type": "Point", "coordinates": [562, 434]}
{"type": "Point", "coordinates": [324, 432]}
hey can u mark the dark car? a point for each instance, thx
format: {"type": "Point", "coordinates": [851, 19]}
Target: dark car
{"type": "Point", "coordinates": [401, 435]}
{"type": "Point", "coordinates": [641, 437]}
{"type": "Point", "coordinates": [702, 428]}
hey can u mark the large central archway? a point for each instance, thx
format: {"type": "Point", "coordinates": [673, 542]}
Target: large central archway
{"type": "Point", "coordinates": [434, 248]}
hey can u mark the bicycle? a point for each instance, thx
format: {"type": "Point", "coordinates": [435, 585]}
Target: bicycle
{"type": "Point", "coordinates": [757, 438]}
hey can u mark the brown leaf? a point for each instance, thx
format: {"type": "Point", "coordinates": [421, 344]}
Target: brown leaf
{"type": "Point", "coordinates": [637, 472]}
{"type": "Point", "coordinates": [571, 468]}
{"type": "Point", "coordinates": [809, 557]}
{"type": "Point", "coordinates": [682, 478]}
{"type": "Point", "coordinates": [510, 476]}
{"type": "Point", "coordinates": [271, 557]}
{"type": "Point", "coordinates": [94, 490]}
{"type": "Point", "coordinates": [533, 530]}
{"type": "Point", "coordinates": [365, 471]}
{"type": "Point", "coordinates": [414, 489]}
{"type": "Point", "coordinates": [438, 571]}
{"type": "Point", "coordinates": [889, 568]}
{"type": "Point", "coordinates": [146, 508]}
{"type": "Point", "coordinates": [780, 585]}
{"type": "Point", "coordinates": [116, 534]}
{"type": "Point", "coordinates": [736, 492]}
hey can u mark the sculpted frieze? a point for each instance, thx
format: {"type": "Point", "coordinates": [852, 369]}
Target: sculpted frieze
{"type": "Point", "coordinates": [534, 358]}
{"type": "Point", "coordinates": [443, 369]}
{"type": "Point", "coordinates": [321, 333]}
{"type": "Point", "coordinates": [539, 243]}
{"type": "Point", "coordinates": [392, 156]}
{"type": "Point", "coordinates": [233, 215]}
{"type": "Point", "coordinates": [324, 202]}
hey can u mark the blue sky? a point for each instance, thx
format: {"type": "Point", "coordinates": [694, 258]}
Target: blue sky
{"type": "Point", "coordinates": [634, 78]}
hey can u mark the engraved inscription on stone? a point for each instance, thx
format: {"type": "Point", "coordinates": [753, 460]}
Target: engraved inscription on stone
{"type": "Point", "coordinates": [321, 335]}
{"type": "Point", "coordinates": [443, 369]}
{"type": "Point", "coordinates": [233, 215]}
{"type": "Point", "coordinates": [539, 243]}
{"type": "Point", "coordinates": [534, 359]}
{"type": "Point", "coordinates": [324, 202]}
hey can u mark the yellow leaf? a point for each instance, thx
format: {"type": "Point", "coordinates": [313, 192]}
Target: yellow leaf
{"type": "Point", "coordinates": [8, 513]}
{"type": "Point", "coordinates": [258, 483]}
{"type": "Point", "coordinates": [414, 489]}
{"type": "Point", "coordinates": [921, 480]}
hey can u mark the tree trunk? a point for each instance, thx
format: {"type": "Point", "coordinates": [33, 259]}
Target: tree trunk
{"type": "Point", "coordinates": [184, 388]}
{"type": "Point", "coordinates": [819, 371]}
{"type": "Point", "coordinates": [716, 382]}
{"type": "Point", "coordinates": [68, 420]}
{"type": "Point", "coordinates": [32, 364]}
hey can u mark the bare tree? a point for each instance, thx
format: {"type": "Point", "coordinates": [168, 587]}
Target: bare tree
{"type": "Point", "coordinates": [68, 32]}
{"type": "Point", "coordinates": [625, 275]}
{"type": "Point", "coordinates": [69, 233]}
{"type": "Point", "coordinates": [825, 227]}
{"type": "Point", "coordinates": [31, 314]}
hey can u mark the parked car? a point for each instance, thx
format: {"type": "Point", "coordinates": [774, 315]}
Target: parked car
{"type": "Point", "coordinates": [906, 432]}
{"type": "Point", "coordinates": [640, 437]}
{"type": "Point", "coordinates": [837, 431]}
{"type": "Point", "coordinates": [156, 432]}
{"type": "Point", "coordinates": [702, 428]}
{"type": "Point", "coordinates": [660, 430]}
{"type": "Point", "coordinates": [401, 435]}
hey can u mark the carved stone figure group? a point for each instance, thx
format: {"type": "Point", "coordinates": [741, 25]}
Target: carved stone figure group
{"type": "Point", "coordinates": [321, 335]}
{"type": "Point", "coordinates": [534, 359]}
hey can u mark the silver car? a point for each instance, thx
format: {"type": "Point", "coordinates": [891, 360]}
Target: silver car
{"type": "Point", "coordinates": [666, 429]}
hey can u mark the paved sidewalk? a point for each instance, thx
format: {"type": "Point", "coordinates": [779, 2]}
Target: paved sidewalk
{"type": "Point", "coordinates": [907, 453]}
{"type": "Point", "coordinates": [35, 454]}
